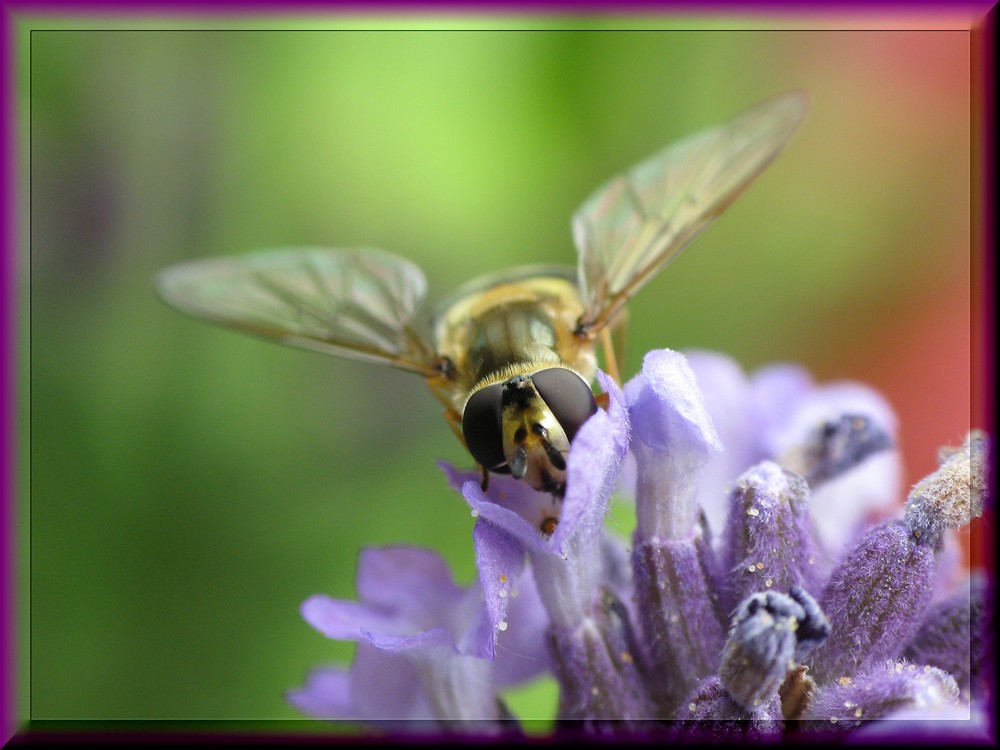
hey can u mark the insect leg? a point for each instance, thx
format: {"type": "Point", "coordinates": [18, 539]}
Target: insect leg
{"type": "Point", "coordinates": [610, 361]}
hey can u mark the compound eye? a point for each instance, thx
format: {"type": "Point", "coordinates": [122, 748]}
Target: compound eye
{"type": "Point", "coordinates": [568, 397]}
{"type": "Point", "coordinates": [481, 425]}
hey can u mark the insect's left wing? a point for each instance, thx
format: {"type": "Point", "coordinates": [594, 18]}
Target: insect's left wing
{"type": "Point", "coordinates": [632, 226]}
{"type": "Point", "coordinates": [359, 303]}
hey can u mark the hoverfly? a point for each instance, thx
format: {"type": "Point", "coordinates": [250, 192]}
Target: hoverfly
{"type": "Point", "coordinates": [511, 356]}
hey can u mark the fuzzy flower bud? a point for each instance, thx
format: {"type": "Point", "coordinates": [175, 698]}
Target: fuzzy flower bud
{"type": "Point", "coordinates": [954, 494]}
{"type": "Point", "coordinates": [770, 632]}
{"type": "Point", "coordinates": [953, 637]}
{"type": "Point", "coordinates": [875, 600]}
{"type": "Point", "coordinates": [768, 541]}
{"type": "Point", "coordinates": [876, 692]}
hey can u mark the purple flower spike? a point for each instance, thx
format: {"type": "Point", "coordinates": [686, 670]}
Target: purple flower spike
{"type": "Point", "coordinates": [876, 692]}
{"type": "Point", "coordinates": [875, 601]}
{"type": "Point", "coordinates": [768, 542]}
{"type": "Point", "coordinates": [687, 631]}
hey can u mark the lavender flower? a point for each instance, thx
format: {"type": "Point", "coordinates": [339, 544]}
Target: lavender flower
{"type": "Point", "coordinates": [427, 647]}
{"type": "Point", "coordinates": [797, 615]}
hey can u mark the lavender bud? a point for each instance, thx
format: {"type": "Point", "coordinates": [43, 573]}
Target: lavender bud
{"type": "Point", "coordinates": [711, 713]}
{"type": "Point", "coordinates": [764, 641]}
{"type": "Point", "coordinates": [682, 630]}
{"type": "Point", "coordinates": [954, 494]}
{"type": "Point", "coordinates": [875, 600]}
{"type": "Point", "coordinates": [876, 692]}
{"type": "Point", "coordinates": [596, 665]}
{"type": "Point", "coordinates": [953, 637]}
{"type": "Point", "coordinates": [768, 537]}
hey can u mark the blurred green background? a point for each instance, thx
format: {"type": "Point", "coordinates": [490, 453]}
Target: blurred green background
{"type": "Point", "coordinates": [190, 487]}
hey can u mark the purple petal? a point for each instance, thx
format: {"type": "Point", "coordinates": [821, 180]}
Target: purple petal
{"type": "Point", "coordinates": [592, 470]}
{"type": "Point", "coordinates": [952, 723]}
{"type": "Point", "coordinates": [500, 561]}
{"type": "Point", "coordinates": [505, 491]}
{"type": "Point", "coordinates": [350, 621]}
{"type": "Point", "coordinates": [731, 407]}
{"type": "Point", "coordinates": [412, 582]}
{"type": "Point", "coordinates": [797, 418]}
{"type": "Point", "coordinates": [522, 649]}
{"type": "Point", "coordinates": [770, 416]}
{"type": "Point", "coordinates": [776, 392]}
{"type": "Point", "coordinates": [326, 695]}
{"type": "Point", "coordinates": [837, 446]}
{"type": "Point", "coordinates": [843, 507]}
{"type": "Point", "coordinates": [527, 531]}
{"type": "Point", "coordinates": [344, 620]}
{"type": "Point", "coordinates": [673, 439]}
{"type": "Point", "coordinates": [386, 686]}
{"type": "Point", "coordinates": [840, 503]}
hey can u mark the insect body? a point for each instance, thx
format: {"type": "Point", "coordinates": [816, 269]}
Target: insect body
{"type": "Point", "coordinates": [510, 356]}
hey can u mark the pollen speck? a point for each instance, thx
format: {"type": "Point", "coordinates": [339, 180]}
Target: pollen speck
{"type": "Point", "coordinates": [595, 691]}
{"type": "Point", "coordinates": [503, 578]}
{"type": "Point", "coordinates": [769, 582]}
{"type": "Point", "coordinates": [502, 625]}
{"type": "Point", "coordinates": [674, 618]}
{"type": "Point", "coordinates": [502, 593]}
{"type": "Point", "coordinates": [475, 513]}
{"type": "Point", "coordinates": [760, 566]}
{"type": "Point", "coordinates": [753, 512]}
{"type": "Point", "coordinates": [752, 569]}
{"type": "Point", "coordinates": [626, 657]}
{"type": "Point", "coordinates": [833, 719]}
{"type": "Point", "coordinates": [692, 707]}
{"type": "Point", "coordinates": [844, 681]}
{"type": "Point", "coordinates": [858, 713]}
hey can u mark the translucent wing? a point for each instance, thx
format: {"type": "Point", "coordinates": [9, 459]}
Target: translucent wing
{"type": "Point", "coordinates": [635, 224]}
{"type": "Point", "coordinates": [360, 304]}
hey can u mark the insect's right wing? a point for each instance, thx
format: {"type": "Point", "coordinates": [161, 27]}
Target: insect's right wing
{"type": "Point", "coordinates": [635, 224]}
{"type": "Point", "coordinates": [358, 303]}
